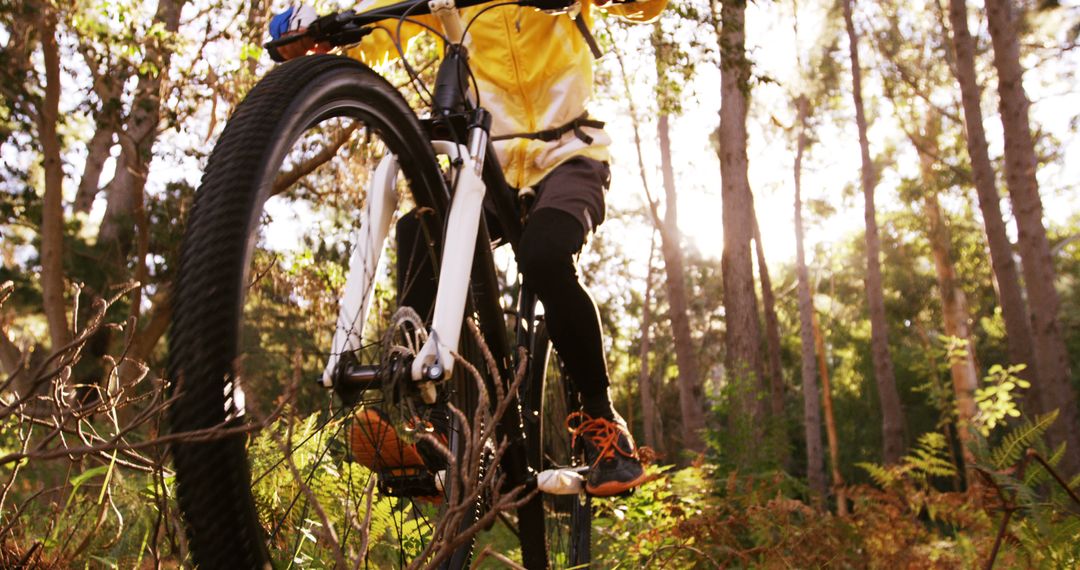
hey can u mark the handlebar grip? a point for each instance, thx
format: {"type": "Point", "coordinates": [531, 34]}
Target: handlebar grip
{"type": "Point", "coordinates": [272, 46]}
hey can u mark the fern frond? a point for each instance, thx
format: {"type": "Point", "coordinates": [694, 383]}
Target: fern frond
{"type": "Point", "coordinates": [884, 476]}
{"type": "Point", "coordinates": [1018, 440]}
{"type": "Point", "coordinates": [930, 457]}
{"type": "Point", "coordinates": [1036, 474]}
{"type": "Point", "coordinates": [382, 517]}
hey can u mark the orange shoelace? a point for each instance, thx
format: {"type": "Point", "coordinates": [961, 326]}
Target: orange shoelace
{"type": "Point", "coordinates": [602, 433]}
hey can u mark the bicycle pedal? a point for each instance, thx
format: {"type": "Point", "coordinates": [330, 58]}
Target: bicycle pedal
{"type": "Point", "coordinates": [374, 443]}
{"type": "Point", "coordinates": [412, 482]}
{"type": "Point", "coordinates": [565, 481]}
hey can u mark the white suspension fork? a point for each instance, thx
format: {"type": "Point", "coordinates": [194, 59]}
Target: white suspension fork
{"type": "Point", "coordinates": [435, 359]}
{"type": "Point", "coordinates": [382, 201]}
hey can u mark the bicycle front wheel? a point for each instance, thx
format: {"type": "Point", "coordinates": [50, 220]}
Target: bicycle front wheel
{"type": "Point", "coordinates": [264, 475]}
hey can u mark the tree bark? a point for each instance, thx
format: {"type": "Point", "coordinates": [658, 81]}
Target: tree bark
{"type": "Point", "coordinates": [97, 152]}
{"type": "Point", "coordinates": [107, 118]}
{"type": "Point", "coordinates": [954, 307]}
{"type": "Point", "coordinates": [892, 416]}
{"type": "Point", "coordinates": [665, 238]}
{"type": "Point", "coordinates": [125, 190]}
{"type": "Point", "coordinates": [648, 402]}
{"type": "Point", "coordinates": [52, 211]}
{"type": "Point", "coordinates": [691, 394]}
{"type": "Point", "coordinates": [815, 469]}
{"type": "Point", "coordinates": [1013, 307]}
{"type": "Point", "coordinates": [10, 355]}
{"type": "Point", "coordinates": [1039, 275]}
{"type": "Point", "coordinates": [743, 358]}
{"type": "Point", "coordinates": [774, 370]}
{"type": "Point", "coordinates": [830, 420]}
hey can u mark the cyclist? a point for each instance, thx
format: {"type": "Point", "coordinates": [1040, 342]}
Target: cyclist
{"type": "Point", "coordinates": [534, 73]}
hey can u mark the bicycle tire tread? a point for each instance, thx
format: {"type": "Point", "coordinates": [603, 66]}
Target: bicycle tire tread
{"type": "Point", "coordinates": [214, 490]}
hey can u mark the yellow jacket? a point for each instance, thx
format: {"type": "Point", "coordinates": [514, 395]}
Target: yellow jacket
{"type": "Point", "coordinates": [534, 71]}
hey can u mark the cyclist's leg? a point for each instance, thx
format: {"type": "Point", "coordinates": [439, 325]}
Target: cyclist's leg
{"type": "Point", "coordinates": [416, 275]}
{"type": "Point", "coordinates": [416, 283]}
{"type": "Point", "coordinates": [549, 243]}
{"type": "Point", "coordinates": [567, 201]}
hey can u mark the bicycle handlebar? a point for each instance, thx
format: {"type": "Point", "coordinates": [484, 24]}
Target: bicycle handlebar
{"type": "Point", "coordinates": [344, 28]}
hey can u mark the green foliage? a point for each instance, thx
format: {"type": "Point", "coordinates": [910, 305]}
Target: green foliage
{"type": "Point", "coordinates": [1016, 442]}
{"type": "Point", "coordinates": [744, 443]}
{"type": "Point", "coordinates": [700, 517]}
{"type": "Point", "coordinates": [928, 460]}
{"type": "Point", "coordinates": [335, 483]}
{"type": "Point", "coordinates": [1043, 531]}
{"type": "Point", "coordinates": [338, 485]}
{"type": "Point", "coordinates": [996, 401]}
{"type": "Point", "coordinates": [92, 509]}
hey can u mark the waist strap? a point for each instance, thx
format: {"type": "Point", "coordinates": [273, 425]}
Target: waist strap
{"type": "Point", "coordinates": [550, 135]}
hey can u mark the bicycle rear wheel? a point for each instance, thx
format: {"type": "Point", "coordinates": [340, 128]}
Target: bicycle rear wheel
{"type": "Point", "coordinates": [264, 258]}
{"type": "Point", "coordinates": [565, 538]}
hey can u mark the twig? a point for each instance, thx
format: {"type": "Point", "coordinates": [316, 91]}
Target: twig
{"type": "Point", "coordinates": [286, 179]}
{"type": "Point", "coordinates": [489, 359]}
{"type": "Point", "coordinates": [1008, 504]}
{"type": "Point", "coordinates": [335, 545]}
{"type": "Point", "coordinates": [487, 551]}
{"type": "Point", "coordinates": [18, 513]}
{"type": "Point", "coordinates": [25, 561]}
{"type": "Point", "coordinates": [196, 436]}
{"type": "Point", "coordinates": [1032, 454]}
{"type": "Point", "coordinates": [365, 527]}
{"type": "Point", "coordinates": [469, 482]}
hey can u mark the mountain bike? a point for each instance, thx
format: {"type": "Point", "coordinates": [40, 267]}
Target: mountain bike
{"type": "Point", "coordinates": [285, 307]}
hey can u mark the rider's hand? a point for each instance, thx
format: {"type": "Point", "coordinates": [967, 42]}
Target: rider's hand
{"type": "Point", "coordinates": [291, 22]}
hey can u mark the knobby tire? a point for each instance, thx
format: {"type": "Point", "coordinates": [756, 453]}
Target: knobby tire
{"type": "Point", "coordinates": [213, 477]}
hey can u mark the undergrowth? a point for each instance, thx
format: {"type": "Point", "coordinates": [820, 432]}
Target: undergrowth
{"type": "Point", "coordinates": [703, 517]}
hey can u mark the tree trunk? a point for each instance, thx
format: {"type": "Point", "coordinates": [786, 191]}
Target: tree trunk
{"type": "Point", "coordinates": [125, 190]}
{"type": "Point", "coordinates": [666, 238]}
{"type": "Point", "coordinates": [52, 211]}
{"type": "Point", "coordinates": [892, 416]}
{"type": "Point", "coordinates": [691, 395]}
{"type": "Point", "coordinates": [97, 151]}
{"type": "Point", "coordinates": [830, 420]}
{"type": "Point", "coordinates": [1013, 307]}
{"type": "Point", "coordinates": [648, 402]}
{"type": "Point", "coordinates": [1039, 275]}
{"type": "Point", "coordinates": [773, 368]}
{"type": "Point", "coordinates": [107, 117]}
{"type": "Point", "coordinates": [10, 355]}
{"type": "Point", "coordinates": [743, 358]}
{"type": "Point", "coordinates": [954, 308]}
{"type": "Point", "coordinates": [815, 470]}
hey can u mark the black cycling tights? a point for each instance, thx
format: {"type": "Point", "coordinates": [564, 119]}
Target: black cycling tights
{"type": "Point", "coordinates": [546, 253]}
